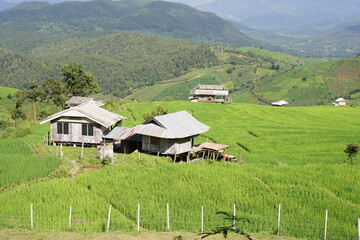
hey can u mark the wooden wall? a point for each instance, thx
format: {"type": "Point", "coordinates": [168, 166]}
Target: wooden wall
{"type": "Point", "coordinates": [75, 133]}
{"type": "Point", "coordinates": [166, 146]}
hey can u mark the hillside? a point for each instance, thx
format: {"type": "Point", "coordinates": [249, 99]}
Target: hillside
{"type": "Point", "coordinates": [314, 84]}
{"type": "Point", "coordinates": [291, 156]}
{"type": "Point", "coordinates": [121, 62]}
{"type": "Point", "coordinates": [146, 16]}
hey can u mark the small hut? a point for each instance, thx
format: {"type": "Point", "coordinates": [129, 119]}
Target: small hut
{"type": "Point", "coordinates": [209, 93]}
{"type": "Point", "coordinates": [169, 134]}
{"type": "Point", "coordinates": [280, 103]}
{"type": "Point", "coordinates": [340, 102]}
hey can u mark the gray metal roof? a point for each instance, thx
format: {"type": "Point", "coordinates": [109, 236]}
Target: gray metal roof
{"type": "Point", "coordinates": [174, 125]}
{"type": "Point", "coordinates": [169, 126]}
{"type": "Point", "coordinates": [210, 87]}
{"type": "Point", "coordinates": [91, 111]}
{"type": "Point", "coordinates": [78, 100]}
{"type": "Point", "coordinates": [210, 92]}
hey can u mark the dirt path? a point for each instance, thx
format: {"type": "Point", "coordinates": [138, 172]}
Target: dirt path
{"type": "Point", "coordinates": [254, 97]}
{"type": "Point", "coordinates": [74, 169]}
{"type": "Point", "coordinates": [341, 199]}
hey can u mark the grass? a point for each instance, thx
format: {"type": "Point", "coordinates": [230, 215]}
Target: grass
{"type": "Point", "coordinates": [292, 156]}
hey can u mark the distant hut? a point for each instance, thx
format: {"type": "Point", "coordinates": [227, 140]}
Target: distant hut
{"type": "Point", "coordinates": [209, 93]}
{"type": "Point", "coordinates": [84, 123]}
{"type": "Point", "coordinates": [280, 103]}
{"type": "Point", "coordinates": [169, 134]}
{"type": "Point", "coordinates": [340, 102]}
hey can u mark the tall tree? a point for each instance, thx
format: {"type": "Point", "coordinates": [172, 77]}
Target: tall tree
{"type": "Point", "coordinates": [55, 90]}
{"type": "Point", "coordinates": [35, 94]}
{"type": "Point", "coordinates": [78, 81]}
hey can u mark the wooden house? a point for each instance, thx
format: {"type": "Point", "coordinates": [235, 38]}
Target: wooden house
{"type": "Point", "coordinates": [340, 102]}
{"type": "Point", "coordinates": [169, 134]}
{"type": "Point", "coordinates": [84, 123]}
{"type": "Point", "coordinates": [209, 93]}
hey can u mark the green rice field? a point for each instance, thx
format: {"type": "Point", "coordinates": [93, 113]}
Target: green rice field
{"type": "Point", "coordinates": [291, 156]}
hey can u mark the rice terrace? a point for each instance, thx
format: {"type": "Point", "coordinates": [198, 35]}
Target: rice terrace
{"type": "Point", "coordinates": [146, 119]}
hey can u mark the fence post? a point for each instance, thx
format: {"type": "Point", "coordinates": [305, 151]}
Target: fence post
{"type": "Point", "coordinates": [168, 217]}
{"type": "Point", "coordinates": [70, 218]}
{"type": "Point", "coordinates": [50, 147]}
{"type": "Point", "coordinates": [138, 218]}
{"type": "Point", "coordinates": [82, 149]}
{"type": "Point", "coordinates": [326, 217]}
{"type": "Point", "coordinates": [139, 154]}
{"type": "Point", "coordinates": [202, 219]}
{"type": "Point", "coordinates": [359, 228]}
{"type": "Point", "coordinates": [108, 222]}
{"type": "Point", "coordinates": [61, 151]}
{"type": "Point", "coordinates": [278, 223]}
{"type": "Point", "coordinates": [31, 217]}
{"type": "Point", "coordinates": [234, 216]}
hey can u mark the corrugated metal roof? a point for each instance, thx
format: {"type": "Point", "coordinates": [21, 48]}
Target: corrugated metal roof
{"type": "Point", "coordinates": [280, 103]}
{"type": "Point", "coordinates": [341, 100]}
{"type": "Point", "coordinates": [176, 125]}
{"type": "Point", "coordinates": [211, 87]}
{"type": "Point", "coordinates": [91, 111]}
{"type": "Point", "coordinates": [78, 100]}
{"type": "Point", "coordinates": [169, 126]}
{"type": "Point", "coordinates": [210, 92]}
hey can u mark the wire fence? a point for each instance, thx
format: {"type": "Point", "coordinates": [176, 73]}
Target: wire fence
{"type": "Point", "coordinates": [187, 222]}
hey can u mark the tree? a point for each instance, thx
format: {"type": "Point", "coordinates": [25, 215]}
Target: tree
{"type": "Point", "coordinates": [55, 90]}
{"type": "Point", "coordinates": [156, 112]}
{"type": "Point", "coordinates": [78, 81]}
{"type": "Point", "coordinates": [351, 151]}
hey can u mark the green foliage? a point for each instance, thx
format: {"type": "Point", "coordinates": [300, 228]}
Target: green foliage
{"type": "Point", "coordinates": [55, 90]}
{"type": "Point", "coordinates": [19, 163]}
{"type": "Point", "coordinates": [78, 81]}
{"type": "Point", "coordinates": [226, 230]}
{"type": "Point", "coordinates": [158, 111]}
{"type": "Point", "coordinates": [351, 151]}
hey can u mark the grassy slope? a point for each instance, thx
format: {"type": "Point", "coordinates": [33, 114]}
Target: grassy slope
{"type": "Point", "coordinates": [295, 157]}
{"type": "Point", "coordinates": [323, 83]}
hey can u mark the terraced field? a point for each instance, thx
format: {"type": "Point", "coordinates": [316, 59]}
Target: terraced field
{"type": "Point", "coordinates": [291, 156]}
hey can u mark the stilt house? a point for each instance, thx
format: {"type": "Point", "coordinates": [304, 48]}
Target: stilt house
{"type": "Point", "coordinates": [84, 123]}
{"type": "Point", "coordinates": [169, 134]}
{"type": "Point", "coordinates": [209, 93]}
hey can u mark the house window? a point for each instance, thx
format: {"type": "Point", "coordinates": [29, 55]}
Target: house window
{"type": "Point", "coordinates": [154, 140]}
{"type": "Point", "coordinates": [87, 130]}
{"type": "Point", "coordinates": [63, 128]}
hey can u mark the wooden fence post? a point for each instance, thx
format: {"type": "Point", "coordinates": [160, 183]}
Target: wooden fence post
{"type": "Point", "coordinates": [278, 223]}
{"type": "Point", "coordinates": [234, 222]}
{"type": "Point", "coordinates": [202, 219]}
{"type": "Point", "coordinates": [61, 151]}
{"type": "Point", "coordinates": [56, 149]}
{"type": "Point", "coordinates": [48, 138]}
{"type": "Point", "coordinates": [138, 218]}
{"type": "Point", "coordinates": [82, 149]}
{"type": "Point", "coordinates": [358, 228]}
{"type": "Point", "coordinates": [108, 222]}
{"type": "Point", "coordinates": [157, 157]}
{"type": "Point", "coordinates": [70, 218]}
{"type": "Point", "coordinates": [168, 217]}
{"type": "Point", "coordinates": [31, 217]}
{"type": "Point", "coordinates": [50, 147]}
{"type": "Point", "coordinates": [326, 217]}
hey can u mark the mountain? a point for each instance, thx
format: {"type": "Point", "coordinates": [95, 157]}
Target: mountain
{"type": "Point", "coordinates": [121, 62]}
{"type": "Point", "coordinates": [151, 17]}
{"type": "Point", "coordinates": [280, 14]}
